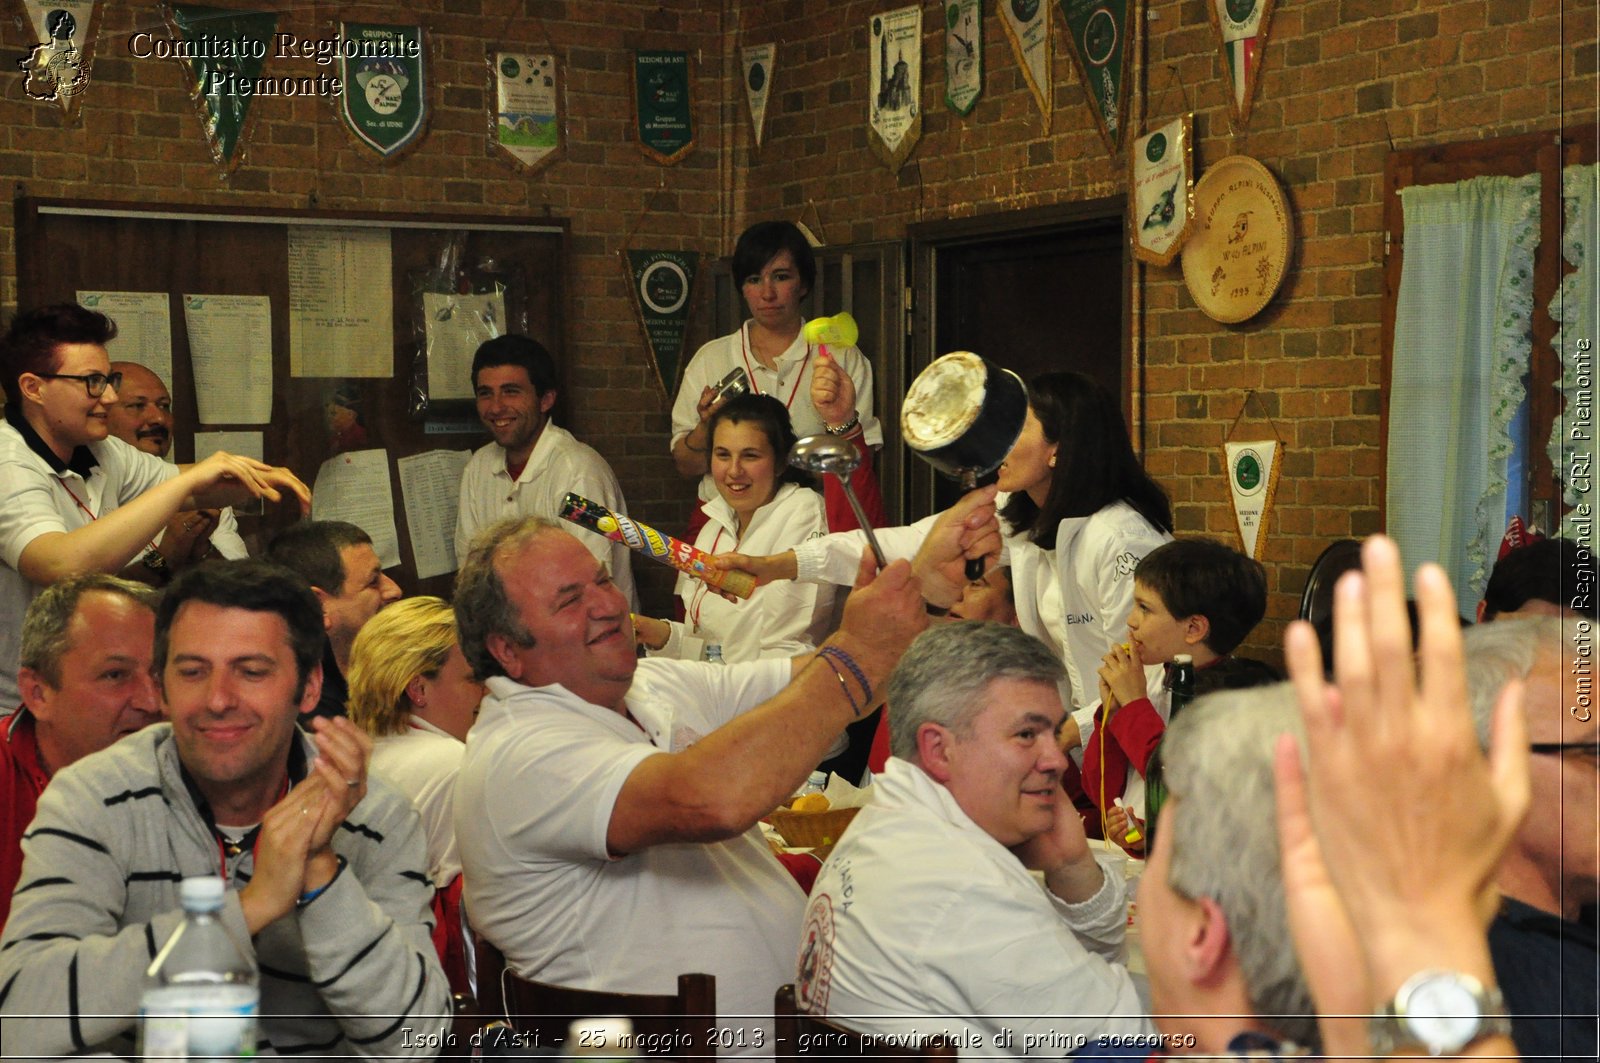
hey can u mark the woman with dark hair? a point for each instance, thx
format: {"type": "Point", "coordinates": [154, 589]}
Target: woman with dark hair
{"type": "Point", "coordinates": [762, 505]}
{"type": "Point", "coordinates": [1078, 513]}
{"type": "Point", "coordinates": [774, 267]}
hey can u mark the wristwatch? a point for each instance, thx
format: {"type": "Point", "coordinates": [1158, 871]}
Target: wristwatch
{"type": "Point", "coordinates": [1440, 1012]}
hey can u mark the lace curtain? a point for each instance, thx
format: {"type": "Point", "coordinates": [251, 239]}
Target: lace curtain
{"type": "Point", "coordinates": [1463, 335]}
{"type": "Point", "coordinates": [1576, 308]}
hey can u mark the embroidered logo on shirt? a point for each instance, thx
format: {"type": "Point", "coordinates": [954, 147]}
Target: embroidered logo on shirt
{"type": "Point", "coordinates": [815, 976]}
{"type": "Point", "coordinates": [1127, 561]}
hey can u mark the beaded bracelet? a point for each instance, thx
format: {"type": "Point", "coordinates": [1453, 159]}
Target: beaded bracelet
{"type": "Point", "coordinates": [849, 662]}
{"type": "Point", "coordinates": [307, 898]}
{"type": "Point", "coordinates": [855, 709]}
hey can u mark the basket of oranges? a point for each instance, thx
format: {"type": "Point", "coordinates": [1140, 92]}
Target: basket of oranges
{"type": "Point", "coordinates": [810, 821]}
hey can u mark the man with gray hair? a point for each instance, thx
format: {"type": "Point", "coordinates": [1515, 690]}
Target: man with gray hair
{"type": "Point", "coordinates": [606, 807]}
{"type": "Point", "coordinates": [1545, 958]}
{"type": "Point", "coordinates": [927, 906]}
{"type": "Point", "coordinates": [1224, 980]}
{"type": "Point", "coordinates": [85, 682]}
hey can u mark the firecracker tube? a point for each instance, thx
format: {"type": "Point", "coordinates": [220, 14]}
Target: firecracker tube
{"type": "Point", "coordinates": [643, 539]}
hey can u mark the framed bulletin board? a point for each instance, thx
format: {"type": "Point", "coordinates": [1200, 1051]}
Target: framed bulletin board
{"type": "Point", "coordinates": [392, 403]}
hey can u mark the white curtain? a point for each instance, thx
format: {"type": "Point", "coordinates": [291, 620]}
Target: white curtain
{"type": "Point", "coordinates": [1463, 333]}
{"type": "Point", "coordinates": [1576, 310]}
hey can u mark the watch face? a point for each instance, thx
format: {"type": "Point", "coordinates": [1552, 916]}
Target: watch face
{"type": "Point", "coordinates": [1443, 1014]}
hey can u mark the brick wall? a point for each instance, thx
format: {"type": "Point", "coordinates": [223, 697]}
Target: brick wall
{"type": "Point", "coordinates": [1342, 79]}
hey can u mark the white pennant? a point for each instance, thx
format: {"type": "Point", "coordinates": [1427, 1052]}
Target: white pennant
{"type": "Point", "coordinates": [758, 60]}
{"type": "Point", "coordinates": [1252, 480]}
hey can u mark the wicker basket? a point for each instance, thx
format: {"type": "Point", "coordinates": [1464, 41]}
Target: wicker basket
{"type": "Point", "coordinates": [811, 829]}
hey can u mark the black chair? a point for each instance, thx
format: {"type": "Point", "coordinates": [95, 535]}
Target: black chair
{"type": "Point", "coordinates": [803, 1035]}
{"type": "Point", "coordinates": [1316, 602]}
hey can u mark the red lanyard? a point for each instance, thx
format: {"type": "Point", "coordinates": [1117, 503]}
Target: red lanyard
{"type": "Point", "coordinates": [151, 545]}
{"type": "Point", "coordinates": [750, 370]}
{"type": "Point", "coordinates": [701, 588]}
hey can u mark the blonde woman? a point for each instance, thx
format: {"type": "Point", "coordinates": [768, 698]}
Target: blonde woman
{"type": "Point", "coordinates": [413, 691]}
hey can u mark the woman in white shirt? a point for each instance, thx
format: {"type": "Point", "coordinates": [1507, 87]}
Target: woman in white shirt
{"type": "Point", "coordinates": [762, 506]}
{"type": "Point", "coordinates": [415, 694]}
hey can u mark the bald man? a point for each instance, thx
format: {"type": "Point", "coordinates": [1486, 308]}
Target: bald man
{"type": "Point", "coordinates": [142, 417]}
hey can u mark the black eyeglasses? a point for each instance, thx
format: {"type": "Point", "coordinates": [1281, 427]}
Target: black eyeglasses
{"type": "Point", "coordinates": [94, 383]}
{"type": "Point", "coordinates": [1586, 750]}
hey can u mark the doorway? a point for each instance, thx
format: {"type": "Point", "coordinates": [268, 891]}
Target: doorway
{"type": "Point", "coordinates": [1033, 290]}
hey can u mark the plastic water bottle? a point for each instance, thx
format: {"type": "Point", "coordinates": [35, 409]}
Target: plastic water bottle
{"type": "Point", "coordinates": [201, 999]}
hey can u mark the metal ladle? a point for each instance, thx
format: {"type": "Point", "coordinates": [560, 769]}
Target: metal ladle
{"type": "Point", "coordinates": [828, 454]}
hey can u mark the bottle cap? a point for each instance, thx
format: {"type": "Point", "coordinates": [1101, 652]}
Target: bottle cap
{"type": "Point", "coordinates": [201, 894]}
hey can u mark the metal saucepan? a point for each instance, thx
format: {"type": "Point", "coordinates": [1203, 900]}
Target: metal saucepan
{"type": "Point", "coordinates": [963, 415]}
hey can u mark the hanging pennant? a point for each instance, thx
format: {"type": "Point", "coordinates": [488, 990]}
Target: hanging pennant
{"type": "Point", "coordinates": [1241, 28]}
{"type": "Point", "coordinates": [663, 105]}
{"type": "Point", "coordinates": [758, 60]}
{"type": "Point", "coordinates": [894, 85]}
{"type": "Point", "coordinates": [1161, 190]}
{"type": "Point", "coordinates": [1027, 23]}
{"type": "Point", "coordinates": [385, 101]}
{"type": "Point", "coordinates": [57, 68]}
{"type": "Point", "coordinates": [661, 282]}
{"type": "Point", "coordinates": [1253, 467]}
{"type": "Point", "coordinates": [226, 50]}
{"type": "Point", "coordinates": [963, 54]}
{"type": "Point", "coordinates": [1101, 34]}
{"type": "Point", "coordinates": [525, 125]}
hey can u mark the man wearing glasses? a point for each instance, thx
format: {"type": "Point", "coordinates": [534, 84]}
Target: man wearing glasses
{"type": "Point", "coordinates": [72, 499]}
{"type": "Point", "coordinates": [142, 418]}
{"type": "Point", "coordinates": [1544, 956]}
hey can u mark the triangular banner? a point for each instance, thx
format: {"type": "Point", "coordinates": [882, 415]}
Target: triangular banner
{"type": "Point", "coordinates": [385, 101]}
{"type": "Point", "coordinates": [1027, 23]}
{"type": "Point", "coordinates": [1241, 29]}
{"type": "Point", "coordinates": [1101, 32]}
{"type": "Point", "coordinates": [229, 49]}
{"type": "Point", "coordinates": [1161, 190]}
{"type": "Point", "coordinates": [963, 54]}
{"type": "Point", "coordinates": [57, 68]}
{"type": "Point", "coordinates": [894, 92]}
{"type": "Point", "coordinates": [525, 93]}
{"type": "Point", "coordinates": [1253, 469]}
{"type": "Point", "coordinates": [660, 283]}
{"type": "Point", "coordinates": [758, 61]}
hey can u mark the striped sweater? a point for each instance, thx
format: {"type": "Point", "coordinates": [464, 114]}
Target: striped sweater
{"type": "Point", "coordinates": [352, 973]}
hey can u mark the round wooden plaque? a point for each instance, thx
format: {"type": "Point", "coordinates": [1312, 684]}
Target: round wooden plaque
{"type": "Point", "coordinates": [1238, 252]}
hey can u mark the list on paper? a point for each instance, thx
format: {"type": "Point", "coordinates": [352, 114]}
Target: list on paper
{"type": "Point", "coordinates": [354, 487]}
{"type": "Point", "coordinates": [230, 349]}
{"type": "Point", "coordinates": [341, 302]}
{"type": "Point", "coordinates": [144, 328]}
{"type": "Point", "coordinates": [431, 485]}
{"type": "Point", "coordinates": [244, 444]}
{"type": "Point", "coordinates": [456, 326]}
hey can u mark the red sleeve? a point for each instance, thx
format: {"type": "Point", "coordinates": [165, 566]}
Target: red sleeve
{"type": "Point", "coordinates": [1105, 768]}
{"type": "Point", "coordinates": [865, 483]}
{"type": "Point", "coordinates": [1137, 728]}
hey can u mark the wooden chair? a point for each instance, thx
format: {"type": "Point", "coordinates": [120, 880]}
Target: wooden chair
{"type": "Point", "coordinates": [803, 1035]}
{"type": "Point", "coordinates": [681, 1024]}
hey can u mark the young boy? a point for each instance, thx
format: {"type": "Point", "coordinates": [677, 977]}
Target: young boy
{"type": "Point", "coordinates": [1191, 596]}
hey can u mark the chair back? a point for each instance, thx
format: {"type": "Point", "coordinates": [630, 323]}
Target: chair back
{"type": "Point", "coordinates": [1316, 602]}
{"type": "Point", "coordinates": [802, 1035]}
{"type": "Point", "coordinates": [681, 1024]}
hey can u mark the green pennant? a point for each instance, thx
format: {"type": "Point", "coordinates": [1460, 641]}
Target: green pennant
{"type": "Point", "coordinates": [385, 102]}
{"type": "Point", "coordinates": [1101, 32]}
{"type": "Point", "coordinates": [660, 283]}
{"type": "Point", "coordinates": [231, 47]}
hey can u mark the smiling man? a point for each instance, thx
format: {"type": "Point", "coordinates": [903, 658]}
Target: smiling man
{"type": "Point", "coordinates": [928, 907]}
{"type": "Point", "coordinates": [532, 463]}
{"type": "Point", "coordinates": [325, 868]}
{"type": "Point", "coordinates": [85, 678]}
{"type": "Point", "coordinates": [142, 418]}
{"type": "Point", "coordinates": [606, 806]}
{"type": "Point", "coordinates": [72, 499]}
